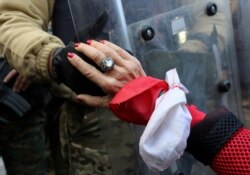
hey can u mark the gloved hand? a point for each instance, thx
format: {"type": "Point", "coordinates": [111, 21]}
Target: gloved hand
{"type": "Point", "coordinates": [64, 72]}
{"type": "Point", "coordinates": [62, 69]}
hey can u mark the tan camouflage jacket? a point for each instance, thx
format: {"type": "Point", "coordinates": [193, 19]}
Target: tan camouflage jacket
{"type": "Point", "coordinates": [25, 42]}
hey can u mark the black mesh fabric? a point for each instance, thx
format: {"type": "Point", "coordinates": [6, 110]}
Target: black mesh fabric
{"type": "Point", "coordinates": [208, 136]}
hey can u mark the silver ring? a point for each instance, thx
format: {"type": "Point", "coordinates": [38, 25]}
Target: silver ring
{"type": "Point", "coordinates": [107, 64]}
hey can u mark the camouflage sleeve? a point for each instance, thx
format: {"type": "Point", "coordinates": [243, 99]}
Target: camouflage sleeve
{"type": "Point", "coordinates": [24, 40]}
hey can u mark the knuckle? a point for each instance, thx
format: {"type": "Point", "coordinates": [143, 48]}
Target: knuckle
{"type": "Point", "coordinates": [134, 66]}
{"type": "Point", "coordinates": [110, 86]}
{"type": "Point", "coordinates": [108, 52]}
{"type": "Point", "coordinates": [120, 51]}
{"type": "Point", "coordinates": [77, 61]}
{"type": "Point", "coordinates": [96, 56]}
{"type": "Point", "coordinates": [88, 71]}
{"type": "Point", "coordinates": [138, 64]}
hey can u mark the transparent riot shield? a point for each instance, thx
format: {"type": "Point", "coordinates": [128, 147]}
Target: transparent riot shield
{"type": "Point", "coordinates": [241, 24]}
{"type": "Point", "coordinates": [96, 20]}
{"type": "Point", "coordinates": [199, 44]}
{"type": "Point", "coordinates": [194, 36]}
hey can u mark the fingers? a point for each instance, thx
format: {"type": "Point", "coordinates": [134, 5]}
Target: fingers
{"type": "Point", "coordinates": [99, 50]}
{"type": "Point", "coordinates": [126, 66]}
{"type": "Point", "coordinates": [86, 69]}
{"type": "Point", "coordinates": [94, 101]}
{"type": "Point", "coordinates": [127, 60]}
{"type": "Point", "coordinates": [10, 75]}
{"type": "Point", "coordinates": [21, 84]}
{"type": "Point", "coordinates": [110, 83]}
{"type": "Point", "coordinates": [90, 52]}
{"type": "Point", "coordinates": [118, 50]}
{"type": "Point", "coordinates": [102, 48]}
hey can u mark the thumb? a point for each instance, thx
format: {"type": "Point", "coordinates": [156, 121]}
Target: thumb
{"type": "Point", "coordinates": [94, 101]}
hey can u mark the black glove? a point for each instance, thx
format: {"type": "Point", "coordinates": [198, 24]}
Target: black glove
{"type": "Point", "coordinates": [66, 73]}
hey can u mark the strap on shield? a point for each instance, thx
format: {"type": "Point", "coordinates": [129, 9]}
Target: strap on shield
{"type": "Point", "coordinates": [94, 29]}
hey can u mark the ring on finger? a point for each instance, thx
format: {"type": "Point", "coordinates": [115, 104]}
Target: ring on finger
{"type": "Point", "coordinates": [107, 64]}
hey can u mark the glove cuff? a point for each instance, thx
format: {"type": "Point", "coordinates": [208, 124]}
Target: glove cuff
{"type": "Point", "coordinates": [56, 62]}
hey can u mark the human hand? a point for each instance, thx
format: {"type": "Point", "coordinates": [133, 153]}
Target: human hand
{"type": "Point", "coordinates": [20, 84]}
{"type": "Point", "coordinates": [126, 68]}
{"type": "Point", "coordinates": [62, 71]}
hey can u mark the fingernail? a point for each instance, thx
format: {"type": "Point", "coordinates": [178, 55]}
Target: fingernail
{"type": "Point", "coordinates": [77, 44]}
{"type": "Point", "coordinates": [79, 100]}
{"type": "Point", "coordinates": [102, 41]}
{"type": "Point", "coordinates": [70, 55]}
{"type": "Point", "coordinates": [89, 42]}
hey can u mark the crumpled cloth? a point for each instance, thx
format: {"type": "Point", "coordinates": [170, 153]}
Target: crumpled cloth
{"type": "Point", "coordinates": [165, 136]}
{"type": "Point", "coordinates": [135, 102]}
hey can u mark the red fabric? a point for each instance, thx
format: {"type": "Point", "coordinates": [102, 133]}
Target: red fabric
{"type": "Point", "coordinates": [234, 157]}
{"type": "Point", "coordinates": [196, 114]}
{"type": "Point", "coordinates": [135, 102]}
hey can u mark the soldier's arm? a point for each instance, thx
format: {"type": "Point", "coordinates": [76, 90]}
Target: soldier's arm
{"type": "Point", "coordinates": [24, 40]}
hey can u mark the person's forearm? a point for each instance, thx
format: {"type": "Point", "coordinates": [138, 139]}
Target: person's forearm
{"type": "Point", "coordinates": [221, 141]}
{"type": "Point", "coordinates": [24, 40]}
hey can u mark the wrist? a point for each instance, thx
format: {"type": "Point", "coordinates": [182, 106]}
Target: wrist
{"type": "Point", "coordinates": [54, 64]}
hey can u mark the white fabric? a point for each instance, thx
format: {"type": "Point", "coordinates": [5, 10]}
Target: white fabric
{"type": "Point", "coordinates": [165, 136]}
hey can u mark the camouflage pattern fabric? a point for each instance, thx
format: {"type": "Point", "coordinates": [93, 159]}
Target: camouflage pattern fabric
{"type": "Point", "coordinates": [81, 144]}
{"type": "Point", "coordinates": [23, 145]}
{"type": "Point", "coordinates": [86, 147]}
{"type": "Point", "coordinates": [121, 143]}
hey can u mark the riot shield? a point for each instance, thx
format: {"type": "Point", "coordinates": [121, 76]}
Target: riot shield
{"type": "Point", "coordinates": [96, 20]}
{"type": "Point", "coordinates": [194, 36]}
{"type": "Point", "coordinates": [198, 44]}
{"type": "Point", "coordinates": [241, 23]}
